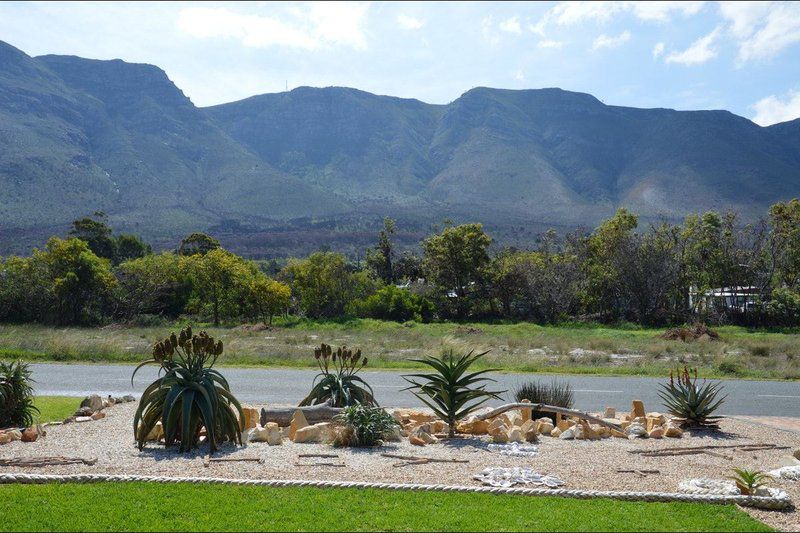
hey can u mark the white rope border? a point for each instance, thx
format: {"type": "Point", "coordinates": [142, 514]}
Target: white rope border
{"type": "Point", "coordinates": [762, 502]}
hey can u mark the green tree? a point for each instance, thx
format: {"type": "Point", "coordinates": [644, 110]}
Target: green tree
{"type": "Point", "coordinates": [82, 283]}
{"type": "Point", "coordinates": [153, 284]}
{"type": "Point", "coordinates": [96, 232]}
{"type": "Point", "coordinates": [198, 243]}
{"type": "Point", "coordinates": [130, 247]}
{"type": "Point", "coordinates": [218, 278]}
{"type": "Point", "coordinates": [785, 222]}
{"type": "Point", "coordinates": [381, 260]}
{"type": "Point", "coordinates": [455, 260]}
{"type": "Point", "coordinates": [391, 303]}
{"type": "Point", "coordinates": [25, 290]}
{"type": "Point", "coordinates": [267, 297]}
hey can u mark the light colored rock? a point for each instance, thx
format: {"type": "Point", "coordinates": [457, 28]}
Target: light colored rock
{"type": "Point", "coordinates": [619, 434]}
{"type": "Point", "coordinates": [416, 441]}
{"type": "Point", "coordinates": [673, 431]}
{"type": "Point", "coordinates": [565, 423]}
{"type": "Point", "coordinates": [257, 434]}
{"type": "Point", "coordinates": [637, 409]}
{"type": "Point", "coordinates": [322, 432]}
{"type": "Point", "coordinates": [98, 415]}
{"type": "Point", "coordinates": [610, 412]}
{"type": "Point", "coordinates": [404, 416]}
{"type": "Point", "coordinates": [555, 432]}
{"type": "Point", "coordinates": [656, 433]}
{"type": "Point", "coordinates": [797, 454]}
{"type": "Point", "coordinates": [654, 420]}
{"type": "Point", "coordinates": [5, 438]}
{"type": "Point", "coordinates": [427, 437]}
{"type": "Point", "coordinates": [93, 401]}
{"type": "Point", "coordinates": [515, 434]}
{"type": "Point", "coordinates": [298, 422]}
{"type": "Point", "coordinates": [252, 417]}
{"type": "Point", "coordinates": [544, 426]}
{"type": "Point", "coordinates": [588, 432]}
{"type": "Point", "coordinates": [500, 437]}
{"type": "Point", "coordinates": [84, 419]}
{"type": "Point", "coordinates": [498, 426]}
{"type": "Point", "coordinates": [473, 426]}
{"type": "Point", "coordinates": [514, 419]}
{"type": "Point", "coordinates": [567, 434]}
{"type": "Point", "coordinates": [274, 434]}
{"type": "Point", "coordinates": [636, 430]}
{"type": "Point", "coordinates": [128, 398]}
{"type": "Point", "coordinates": [526, 413]}
{"type": "Point", "coordinates": [156, 433]}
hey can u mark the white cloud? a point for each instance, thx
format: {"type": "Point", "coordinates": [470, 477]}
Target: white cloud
{"type": "Point", "coordinates": [519, 75]}
{"type": "Point", "coordinates": [550, 44]}
{"type": "Point", "coordinates": [314, 25]}
{"type": "Point", "coordinates": [608, 41]}
{"type": "Point", "coordinates": [409, 23]}
{"type": "Point", "coordinates": [571, 13]}
{"type": "Point", "coordinates": [511, 25]}
{"type": "Point", "coordinates": [698, 53]}
{"type": "Point", "coordinates": [762, 29]}
{"type": "Point", "coordinates": [658, 50]}
{"type": "Point", "coordinates": [772, 109]}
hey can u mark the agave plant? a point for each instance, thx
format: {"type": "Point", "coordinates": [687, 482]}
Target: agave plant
{"type": "Point", "coordinates": [189, 396]}
{"type": "Point", "coordinates": [363, 425]}
{"type": "Point", "coordinates": [337, 381]}
{"type": "Point", "coordinates": [694, 404]}
{"type": "Point", "coordinates": [16, 395]}
{"type": "Point", "coordinates": [749, 481]}
{"type": "Point", "coordinates": [450, 391]}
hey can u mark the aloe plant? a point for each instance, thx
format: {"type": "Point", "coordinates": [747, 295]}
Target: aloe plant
{"type": "Point", "coordinates": [694, 404]}
{"type": "Point", "coordinates": [749, 481]}
{"type": "Point", "coordinates": [364, 425]}
{"type": "Point", "coordinates": [16, 395]}
{"type": "Point", "coordinates": [450, 391]}
{"type": "Point", "coordinates": [189, 396]}
{"type": "Point", "coordinates": [337, 381]}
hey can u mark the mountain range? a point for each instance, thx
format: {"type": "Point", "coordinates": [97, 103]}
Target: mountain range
{"type": "Point", "coordinates": [285, 173]}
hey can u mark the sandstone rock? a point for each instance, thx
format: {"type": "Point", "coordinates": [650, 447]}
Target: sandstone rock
{"type": "Point", "coordinates": [797, 454]}
{"type": "Point", "coordinates": [527, 414]}
{"type": "Point", "coordinates": [498, 426]}
{"type": "Point", "coordinates": [673, 432]}
{"type": "Point", "coordinates": [438, 426]}
{"type": "Point", "coordinates": [587, 432]}
{"type": "Point", "coordinates": [654, 420]}
{"type": "Point", "coordinates": [515, 434]}
{"type": "Point", "coordinates": [530, 431]}
{"type": "Point", "coordinates": [416, 441]}
{"type": "Point", "coordinates": [257, 434]}
{"type": "Point", "coordinates": [252, 417]}
{"type": "Point", "coordinates": [93, 401]}
{"type": "Point", "coordinates": [5, 438]}
{"type": "Point", "coordinates": [298, 422]}
{"type": "Point", "coordinates": [636, 430]}
{"type": "Point", "coordinates": [567, 434]}
{"type": "Point", "coordinates": [514, 419]}
{"type": "Point", "coordinates": [610, 413]}
{"type": "Point", "coordinates": [321, 432]}
{"type": "Point", "coordinates": [555, 432]}
{"type": "Point", "coordinates": [427, 438]}
{"type": "Point", "coordinates": [619, 434]}
{"type": "Point", "coordinates": [656, 433]}
{"type": "Point", "coordinates": [157, 433]}
{"type": "Point", "coordinates": [84, 411]}
{"type": "Point", "coordinates": [473, 426]}
{"type": "Point", "coordinates": [98, 415]}
{"type": "Point", "coordinates": [637, 409]}
{"type": "Point", "coordinates": [500, 437]}
{"type": "Point", "coordinates": [274, 434]}
{"type": "Point", "coordinates": [404, 416]}
{"type": "Point", "coordinates": [544, 426]}
{"type": "Point", "coordinates": [84, 419]}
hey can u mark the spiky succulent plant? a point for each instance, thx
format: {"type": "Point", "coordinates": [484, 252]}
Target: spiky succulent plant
{"type": "Point", "coordinates": [337, 381]}
{"type": "Point", "coordinates": [749, 481]}
{"type": "Point", "coordinates": [189, 396]}
{"type": "Point", "coordinates": [693, 404]}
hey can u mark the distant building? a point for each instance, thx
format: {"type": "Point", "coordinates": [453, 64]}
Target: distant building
{"type": "Point", "coordinates": [740, 299]}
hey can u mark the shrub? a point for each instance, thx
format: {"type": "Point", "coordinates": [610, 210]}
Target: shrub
{"type": "Point", "coordinates": [784, 308]}
{"type": "Point", "coordinates": [749, 481]}
{"type": "Point", "coordinates": [337, 381]}
{"type": "Point", "coordinates": [760, 350]}
{"type": "Point", "coordinates": [450, 391]}
{"type": "Point", "coordinates": [694, 404]}
{"type": "Point", "coordinates": [189, 396]}
{"type": "Point", "coordinates": [16, 395]}
{"type": "Point", "coordinates": [363, 426]}
{"type": "Point", "coordinates": [558, 393]}
{"type": "Point", "coordinates": [392, 303]}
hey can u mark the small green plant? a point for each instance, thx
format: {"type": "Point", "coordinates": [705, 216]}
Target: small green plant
{"type": "Point", "coordinates": [189, 396]}
{"type": "Point", "coordinates": [760, 350]}
{"type": "Point", "coordinates": [558, 393]}
{"type": "Point", "coordinates": [337, 381]}
{"type": "Point", "coordinates": [694, 404]}
{"type": "Point", "coordinates": [363, 425]}
{"type": "Point", "coordinates": [450, 391]}
{"type": "Point", "coordinates": [16, 395]}
{"type": "Point", "coordinates": [749, 481]}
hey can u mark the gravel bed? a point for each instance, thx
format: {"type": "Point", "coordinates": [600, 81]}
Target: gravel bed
{"type": "Point", "coordinates": [581, 464]}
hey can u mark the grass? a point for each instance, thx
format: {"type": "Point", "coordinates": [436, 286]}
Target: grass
{"type": "Point", "coordinates": [183, 507]}
{"type": "Point", "coordinates": [55, 408]}
{"type": "Point", "coordinates": [521, 347]}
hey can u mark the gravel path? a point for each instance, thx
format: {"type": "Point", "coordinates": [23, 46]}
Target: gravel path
{"type": "Point", "coordinates": [581, 464]}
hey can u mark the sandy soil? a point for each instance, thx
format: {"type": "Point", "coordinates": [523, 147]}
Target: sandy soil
{"type": "Point", "coordinates": [581, 464]}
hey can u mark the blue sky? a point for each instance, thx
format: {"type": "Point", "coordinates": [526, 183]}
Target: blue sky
{"type": "Point", "coordinates": [740, 56]}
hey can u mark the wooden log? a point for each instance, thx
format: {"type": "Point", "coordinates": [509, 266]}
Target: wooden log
{"type": "Point", "coordinates": [314, 413]}
{"type": "Point", "coordinates": [415, 458]}
{"type": "Point", "coordinates": [746, 447]}
{"type": "Point", "coordinates": [549, 409]}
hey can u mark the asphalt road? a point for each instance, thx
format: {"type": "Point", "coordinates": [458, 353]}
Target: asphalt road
{"type": "Point", "coordinates": [289, 386]}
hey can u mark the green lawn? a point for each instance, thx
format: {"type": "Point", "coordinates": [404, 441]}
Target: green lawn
{"type": "Point", "coordinates": [55, 408]}
{"type": "Point", "coordinates": [151, 507]}
{"type": "Point", "coordinates": [523, 347]}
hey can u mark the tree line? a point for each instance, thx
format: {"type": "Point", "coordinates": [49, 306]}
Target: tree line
{"type": "Point", "coordinates": [710, 267]}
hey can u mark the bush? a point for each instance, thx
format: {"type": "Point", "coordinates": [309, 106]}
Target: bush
{"type": "Point", "coordinates": [784, 308]}
{"type": "Point", "coordinates": [391, 303]}
{"type": "Point", "coordinates": [189, 396]}
{"type": "Point", "coordinates": [449, 390]}
{"type": "Point", "coordinates": [16, 395]}
{"type": "Point", "coordinates": [363, 426]}
{"type": "Point", "coordinates": [694, 404]}
{"type": "Point", "coordinates": [558, 393]}
{"type": "Point", "coordinates": [340, 385]}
